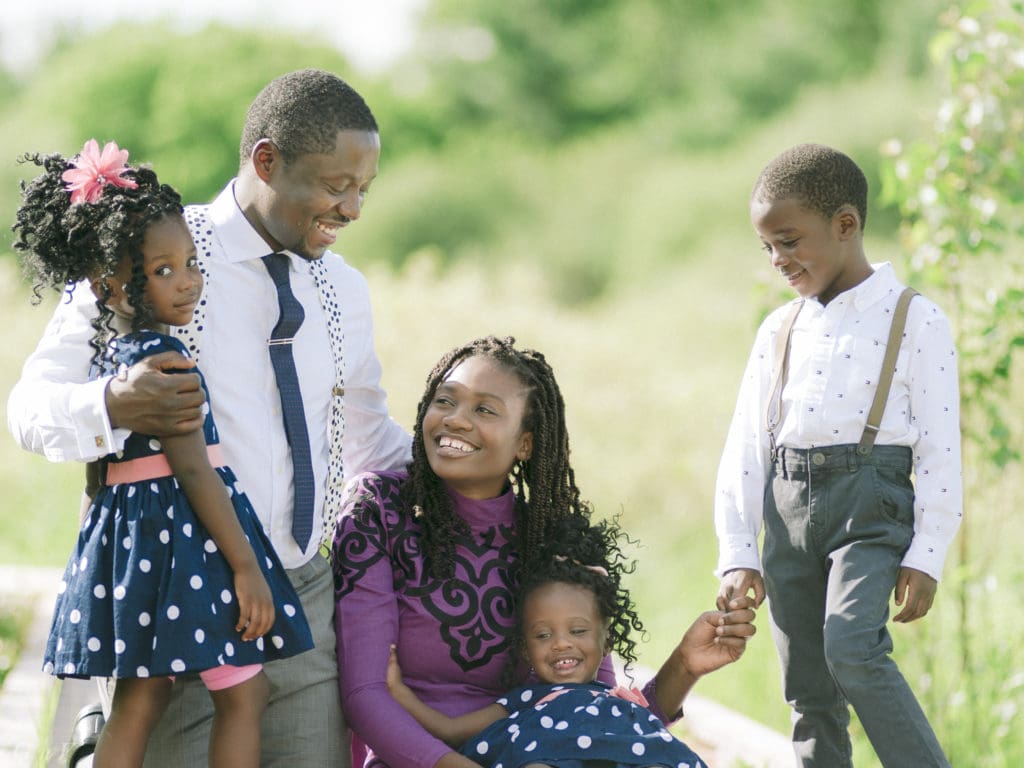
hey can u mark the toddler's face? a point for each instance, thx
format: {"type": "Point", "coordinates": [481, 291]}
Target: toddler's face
{"type": "Point", "coordinates": [564, 633]}
{"type": "Point", "coordinates": [173, 280]}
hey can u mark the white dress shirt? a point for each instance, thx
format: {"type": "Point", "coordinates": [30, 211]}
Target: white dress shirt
{"type": "Point", "coordinates": [54, 410]}
{"type": "Point", "coordinates": [835, 361]}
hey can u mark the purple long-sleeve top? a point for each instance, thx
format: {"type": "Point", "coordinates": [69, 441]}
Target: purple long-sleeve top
{"type": "Point", "coordinates": [452, 635]}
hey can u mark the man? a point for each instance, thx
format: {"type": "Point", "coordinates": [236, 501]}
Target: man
{"type": "Point", "coordinates": [308, 155]}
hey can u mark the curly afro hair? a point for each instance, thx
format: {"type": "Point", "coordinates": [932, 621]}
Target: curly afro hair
{"type": "Point", "coordinates": [62, 244]}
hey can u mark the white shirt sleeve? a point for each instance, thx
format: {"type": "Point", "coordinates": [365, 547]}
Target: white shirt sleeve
{"type": "Point", "coordinates": [935, 412]}
{"type": "Point", "coordinates": [739, 488]}
{"type": "Point", "coordinates": [54, 410]}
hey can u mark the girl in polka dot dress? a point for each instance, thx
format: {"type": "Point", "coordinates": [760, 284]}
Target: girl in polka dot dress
{"type": "Point", "coordinates": [172, 573]}
{"type": "Point", "coordinates": [571, 611]}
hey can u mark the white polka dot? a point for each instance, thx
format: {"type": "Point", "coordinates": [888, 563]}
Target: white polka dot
{"type": "Point", "coordinates": [165, 536]}
{"type": "Point", "coordinates": [546, 722]}
{"type": "Point", "coordinates": [526, 695]}
{"type": "Point", "coordinates": [196, 582]}
{"type": "Point", "coordinates": [153, 488]}
{"type": "Point", "coordinates": [173, 612]}
{"type": "Point", "coordinates": [530, 747]}
{"type": "Point", "coordinates": [561, 725]}
{"type": "Point", "coordinates": [145, 566]}
{"type": "Point", "coordinates": [119, 645]}
{"type": "Point", "coordinates": [289, 610]}
{"type": "Point", "coordinates": [75, 616]}
{"type": "Point", "coordinates": [270, 564]}
{"type": "Point", "coordinates": [225, 596]}
{"type": "Point", "coordinates": [60, 644]}
{"type": "Point", "coordinates": [170, 513]}
{"type": "Point", "coordinates": [278, 641]}
{"type": "Point", "coordinates": [592, 710]}
{"type": "Point", "coordinates": [93, 644]}
{"type": "Point", "coordinates": [83, 563]}
{"type": "Point", "coordinates": [229, 649]}
{"type": "Point", "coordinates": [583, 742]}
{"type": "Point", "coordinates": [119, 592]}
{"type": "Point", "coordinates": [638, 728]}
{"type": "Point", "coordinates": [99, 591]}
{"type": "Point", "coordinates": [259, 643]}
{"type": "Point", "coordinates": [199, 635]}
{"type": "Point", "coordinates": [144, 619]}
{"type": "Point", "coordinates": [210, 546]}
{"type": "Point", "coordinates": [48, 667]}
{"type": "Point", "coordinates": [482, 747]}
{"type": "Point", "coordinates": [177, 665]}
{"type": "Point", "coordinates": [62, 588]}
{"type": "Point", "coordinates": [69, 668]}
{"type": "Point", "coordinates": [638, 749]}
{"type": "Point", "coordinates": [154, 444]}
{"type": "Point", "coordinates": [616, 712]}
{"type": "Point", "coordinates": [131, 491]}
{"type": "Point", "coordinates": [126, 542]}
{"type": "Point", "coordinates": [187, 529]}
{"type": "Point", "coordinates": [141, 672]}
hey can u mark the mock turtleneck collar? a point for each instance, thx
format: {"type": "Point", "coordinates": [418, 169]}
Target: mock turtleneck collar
{"type": "Point", "coordinates": [484, 513]}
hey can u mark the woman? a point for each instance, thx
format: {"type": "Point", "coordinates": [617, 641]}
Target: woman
{"type": "Point", "coordinates": [425, 560]}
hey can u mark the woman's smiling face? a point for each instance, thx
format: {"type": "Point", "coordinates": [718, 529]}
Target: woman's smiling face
{"type": "Point", "coordinates": [473, 427]}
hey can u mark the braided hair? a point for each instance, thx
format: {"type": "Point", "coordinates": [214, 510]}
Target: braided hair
{"type": "Point", "coordinates": [62, 244]}
{"type": "Point", "coordinates": [576, 553]}
{"type": "Point", "coordinates": [544, 484]}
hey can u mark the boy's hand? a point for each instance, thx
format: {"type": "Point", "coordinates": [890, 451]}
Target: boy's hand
{"type": "Point", "coordinates": [915, 591]}
{"type": "Point", "coordinates": [739, 583]}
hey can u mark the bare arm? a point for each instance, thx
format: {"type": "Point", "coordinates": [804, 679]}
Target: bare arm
{"type": "Point", "coordinates": [453, 731]}
{"type": "Point", "coordinates": [715, 639]}
{"type": "Point", "coordinates": [206, 492]}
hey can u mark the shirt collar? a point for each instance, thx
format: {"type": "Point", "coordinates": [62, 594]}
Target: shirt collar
{"type": "Point", "coordinates": [240, 241]}
{"type": "Point", "coordinates": [879, 284]}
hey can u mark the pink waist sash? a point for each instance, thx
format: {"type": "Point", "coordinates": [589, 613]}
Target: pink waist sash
{"type": "Point", "coordinates": [151, 467]}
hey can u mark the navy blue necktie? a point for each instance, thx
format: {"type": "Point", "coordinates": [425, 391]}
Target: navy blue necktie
{"type": "Point", "coordinates": [291, 397]}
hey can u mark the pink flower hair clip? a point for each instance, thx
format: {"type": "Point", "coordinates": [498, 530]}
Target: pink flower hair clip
{"type": "Point", "coordinates": [91, 170]}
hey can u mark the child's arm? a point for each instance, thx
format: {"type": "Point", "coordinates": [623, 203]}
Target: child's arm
{"type": "Point", "coordinates": [453, 731]}
{"type": "Point", "coordinates": [206, 492]}
{"type": "Point", "coordinates": [92, 485]}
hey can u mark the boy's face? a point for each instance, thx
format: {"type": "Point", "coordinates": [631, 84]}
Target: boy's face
{"type": "Point", "coordinates": [819, 257]}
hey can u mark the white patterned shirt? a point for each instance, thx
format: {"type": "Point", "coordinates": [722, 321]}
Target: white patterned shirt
{"type": "Point", "coordinates": [55, 411]}
{"type": "Point", "coordinates": [835, 360]}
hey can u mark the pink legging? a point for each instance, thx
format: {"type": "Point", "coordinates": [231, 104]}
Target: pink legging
{"type": "Point", "coordinates": [227, 676]}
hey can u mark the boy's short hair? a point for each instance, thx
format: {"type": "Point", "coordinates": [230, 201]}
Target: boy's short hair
{"type": "Point", "coordinates": [302, 112]}
{"type": "Point", "coordinates": [823, 179]}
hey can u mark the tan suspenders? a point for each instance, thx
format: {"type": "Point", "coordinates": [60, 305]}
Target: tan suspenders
{"type": "Point", "coordinates": [773, 408]}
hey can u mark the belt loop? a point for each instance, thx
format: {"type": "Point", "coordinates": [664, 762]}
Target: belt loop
{"type": "Point", "coordinates": [852, 458]}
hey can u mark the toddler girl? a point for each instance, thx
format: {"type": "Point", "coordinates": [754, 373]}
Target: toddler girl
{"type": "Point", "coordinates": [172, 573]}
{"type": "Point", "coordinates": [571, 611]}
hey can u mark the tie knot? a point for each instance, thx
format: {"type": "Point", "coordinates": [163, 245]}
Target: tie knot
{"type": "Point", "coordinates": [277, 266]}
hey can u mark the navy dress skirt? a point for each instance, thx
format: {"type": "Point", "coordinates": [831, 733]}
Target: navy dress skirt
{"type": "Point", "coordinates": [146, 591]}
{"type": "Point", "coordinates": [576, 725]}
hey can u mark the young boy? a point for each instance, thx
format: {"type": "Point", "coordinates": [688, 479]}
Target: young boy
{"type": "Point", "coordinates": [844, 526]}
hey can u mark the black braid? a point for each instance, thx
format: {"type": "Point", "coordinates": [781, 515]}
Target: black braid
{"type": "Point", "coordinates": [544, 484]}
{"type": "Point", "coordinates": [63, 244]}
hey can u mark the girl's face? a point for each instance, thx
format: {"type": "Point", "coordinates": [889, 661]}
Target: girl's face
{"type": "Point", "coordinates": [173, 280]}
{"type": "Point", "coordinates": [564, 633]}
{"type": "Point", "coordinates": [473, 428]}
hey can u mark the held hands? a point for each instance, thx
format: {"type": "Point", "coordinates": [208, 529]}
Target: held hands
{"type": "Point", "coordinates": [718, 638]}
{"type": "Point", "coordinates": [739, 583]}
{"type": "Point", "coordinates": [255, 603]}
{"type": "Point", "coordinates": [148, 399]}
{"type": "Point", "coordinates": [915, 591]}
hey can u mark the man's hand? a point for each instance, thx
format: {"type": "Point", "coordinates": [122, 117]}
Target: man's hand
{"type": "Point", "coordinates": [740, 582]}
{"type": "Point", "coordinates": [915, 591]}
{"type": "Point", "coordinates": [149, 400]}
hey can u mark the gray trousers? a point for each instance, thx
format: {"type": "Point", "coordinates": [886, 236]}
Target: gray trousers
{"type": "Point", "coordinates": [837, 525]}
{"type": "Point", "coordinates": [302, 725]}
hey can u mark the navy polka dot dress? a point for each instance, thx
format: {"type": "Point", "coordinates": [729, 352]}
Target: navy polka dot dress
{"type": "Point", "coordinates": [573, 726]}
{"type": "Point", "coordinates": [146, 591]}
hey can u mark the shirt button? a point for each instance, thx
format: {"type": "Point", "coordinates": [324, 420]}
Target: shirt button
{"type": "Point", "coordinates": [817, 459]}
